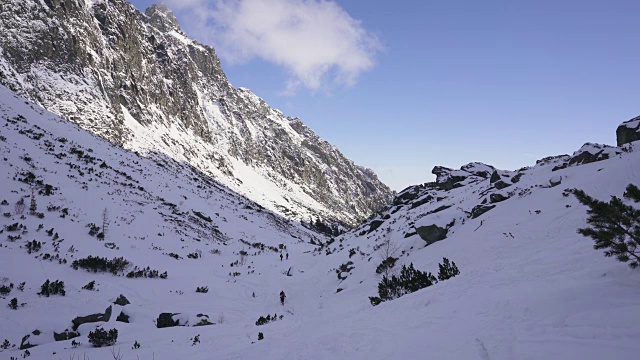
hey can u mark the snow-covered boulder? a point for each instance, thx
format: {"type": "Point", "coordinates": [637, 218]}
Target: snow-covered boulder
{"type": "Point", "coordinates": [555, 180]}
{"type": "Point", "coordinates": [432, 233]}
{"type": "Point", "coordinates": [591, 152]}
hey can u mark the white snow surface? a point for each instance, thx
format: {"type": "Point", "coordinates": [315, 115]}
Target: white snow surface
{"type": "Point", "coordinates": [633, 123]}
{"type": "Point", "coordinates": [530, 287]}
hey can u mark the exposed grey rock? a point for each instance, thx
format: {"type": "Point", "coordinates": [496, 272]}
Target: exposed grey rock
{"type": "Point", "coordinates": [495, 198]}
{"type": "Point", "coordinates": [441, 173]}
{"type": "Point", "coordinates": [162, 18]}
{"type": "Point", "coordinates": [24, 344]}
{"type": "Point", "coordinates": [91, 318]}
{"type": "Point", "coordinates": [628, 131]}
{"type": "Point", "coordinates": [122, 300]}
{"type": "Point", "coordinates": [501, 185]}
{"type": "Point", "coordinates": [123, 317]}
{"type": "Point", "coordinates": [422, 201]}
{"type": "Point", "coordinates": [555, 180]}
{"type": "Point", "coordinates": [432, 233]}
{"type": "Point", "coordinates": [166, 320]}
{"type": "Point", "coordinates": [517, 178]}
{"type": "Point", "coordinates": [375, 224]}
{"type": "Point", "coordinates": [480, 209]}
{"type": "Point", "coordinates": [494, 177]}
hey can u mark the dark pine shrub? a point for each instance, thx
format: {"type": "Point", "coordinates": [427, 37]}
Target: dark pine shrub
{"type": "Point", "coordinates": [101, 337]}
{"type": "Point", "coordinates": [447, 270]}
{"type": "Point", "coordinates": [98, 264]}
{"type": "Point", "coordinates": [614, 225]}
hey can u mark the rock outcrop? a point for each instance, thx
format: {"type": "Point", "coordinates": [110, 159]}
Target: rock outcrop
{"type": "Point", "coordinates": [628, 131]}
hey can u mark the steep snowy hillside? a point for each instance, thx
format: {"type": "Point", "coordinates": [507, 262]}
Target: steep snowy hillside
{"type": "Point", "coordinates": [529, 286]}
{"type": "Point", "coordinates": [137, 80]}
{"type": "Point", "coordinates": [163, 215]}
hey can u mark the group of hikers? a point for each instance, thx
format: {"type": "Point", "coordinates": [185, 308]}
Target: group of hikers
{"type": "Point", "coordinates": [282, 295]}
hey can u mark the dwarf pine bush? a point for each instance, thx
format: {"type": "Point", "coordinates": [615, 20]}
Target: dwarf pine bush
{"type": "Point", "coordinates": [101, 337]}
{"type": "Point", "coordinates": [614, 225]}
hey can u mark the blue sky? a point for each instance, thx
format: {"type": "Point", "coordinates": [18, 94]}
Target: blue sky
{"type": "Point", "coordinates": [403, 86]}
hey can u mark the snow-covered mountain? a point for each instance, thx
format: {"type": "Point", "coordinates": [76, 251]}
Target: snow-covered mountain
{"type": "Point", "coordinates": [530, 287]}
{"type": "Point", "coordinates": [138, 81]}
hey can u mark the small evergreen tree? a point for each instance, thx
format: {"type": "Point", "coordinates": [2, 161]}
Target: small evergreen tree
{"type": "Point", "coordinates": [90, 286]}
{"type": "Point", "coordinates": [260, 336]}
{"type": "Point", "coordinates": [447, 270]}
{"type": "Point", "coordinates": [5, 345]}
{"type": "Point", "coordinates": [33, 207]}
{"type": "Point", "coordinates": [44, 289]}
{"type": "Point", "coordinates": [13, 304]}
{"type": "Point", "coordinates": [5, 290]}
{"type": "Point", "coordinates": [615, 226]}
{"type": "Point", "coordinates": [19, 207]}
{"type": "Point", "coordinates": [100, 337]}
{"type": "Point", "coordinates": [195, 340]}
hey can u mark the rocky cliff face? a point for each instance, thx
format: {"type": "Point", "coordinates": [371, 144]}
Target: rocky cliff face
{"type": "Point", "coordinates": [137, 80]}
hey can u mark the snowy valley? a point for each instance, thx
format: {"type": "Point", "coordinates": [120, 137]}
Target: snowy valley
{"type": "Point", "coordinates": [530, 286]}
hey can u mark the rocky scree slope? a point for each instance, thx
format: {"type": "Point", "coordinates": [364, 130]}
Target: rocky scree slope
{"type": "Point", "coordinates": [138, 81]}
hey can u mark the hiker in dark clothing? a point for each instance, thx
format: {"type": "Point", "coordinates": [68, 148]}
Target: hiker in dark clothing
{"type": "Point", "coordinates": [282, 296]}
{"type": "Point", "coordinates": [280, 257]}
{"type": "Point", "coordinates": [287, 256]}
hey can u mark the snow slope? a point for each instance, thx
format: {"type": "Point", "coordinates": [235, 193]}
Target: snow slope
{"type": "Point", "coordinates": [530, 287]}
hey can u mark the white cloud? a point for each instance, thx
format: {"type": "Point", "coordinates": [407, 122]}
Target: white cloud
{"type": "Point", "coordinates": [316, 41]}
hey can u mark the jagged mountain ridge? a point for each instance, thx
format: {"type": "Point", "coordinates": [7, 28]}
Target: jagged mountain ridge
{"type": "Point", "coordinates": [137, 80]}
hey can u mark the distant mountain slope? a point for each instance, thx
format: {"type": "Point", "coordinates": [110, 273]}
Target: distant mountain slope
{"type": "Point", "coordinates": [137, 80]}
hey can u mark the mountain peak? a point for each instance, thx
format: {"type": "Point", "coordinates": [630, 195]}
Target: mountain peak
{"type": "Point", "coordinates": [162, 18]}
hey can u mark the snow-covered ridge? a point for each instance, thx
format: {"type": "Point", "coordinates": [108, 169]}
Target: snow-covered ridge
{"type": "Point", "coordinates": [107, 67]}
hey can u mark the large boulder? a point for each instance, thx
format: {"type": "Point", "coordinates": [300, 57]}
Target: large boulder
{"type": "Point", "coordinates": [494, 177]}
{"type": "Point", "coordinates": [166, 320]}
{"type": "Point", "coordinates": [628, 131]}
{"type": "Point", "coordinates": [122, 300]}
{"type": "Point", "coordinates": [432, 233]}
{"type": "Point", "coordinates": [123, 317]}
{"type": "Point", "coordinates": [374, 225]}
{"type": "Point", "coordinates": [555, 180]}
{"type": "Point", "coordinates": [91, 318]}
{"type": "Point", "coordinates": [501, 185]}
